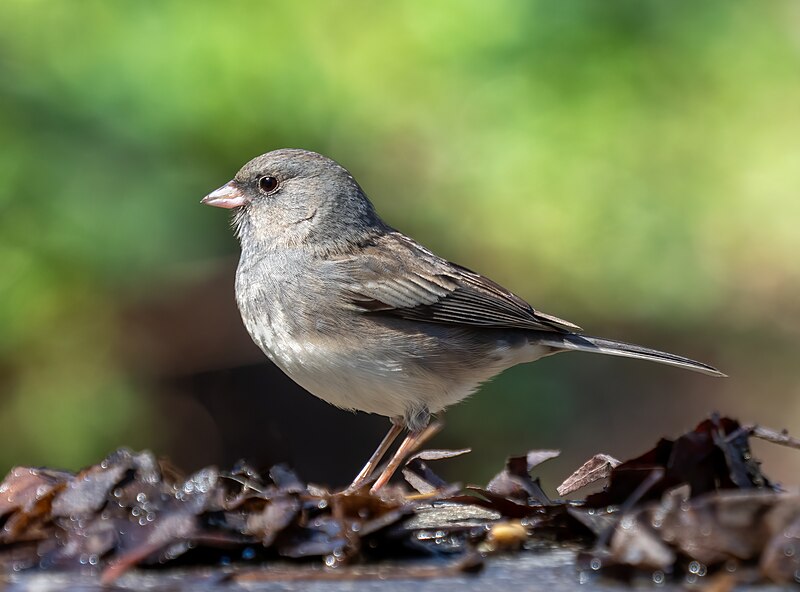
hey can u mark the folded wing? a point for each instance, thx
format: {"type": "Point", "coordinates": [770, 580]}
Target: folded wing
{"type": "Point", "coordinates": [394, 275]}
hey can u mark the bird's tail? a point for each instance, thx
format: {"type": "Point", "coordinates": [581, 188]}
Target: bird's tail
{"type": "Point", "coordinates": [585, 343]}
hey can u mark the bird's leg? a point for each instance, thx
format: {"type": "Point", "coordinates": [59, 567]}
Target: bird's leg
{"type": "Point", "coordinates": [372, 463]}
{"type": "Point", "coordinates": [414, 440]}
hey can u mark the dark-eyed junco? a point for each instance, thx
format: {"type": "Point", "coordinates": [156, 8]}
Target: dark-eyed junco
{"type": "Point", "coordinates": [364, 317]}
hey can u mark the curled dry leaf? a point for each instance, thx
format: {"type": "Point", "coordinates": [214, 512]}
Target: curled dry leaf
{"type": "Point", "coordinates": [515, 482]}
{"type": "Point", "coordinates": [596, 468]}
{"type": "Point", "coordinates": [421, 477]}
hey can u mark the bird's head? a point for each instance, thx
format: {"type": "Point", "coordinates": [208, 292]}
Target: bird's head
{"type": "Point", "coordinates": [292, 197]}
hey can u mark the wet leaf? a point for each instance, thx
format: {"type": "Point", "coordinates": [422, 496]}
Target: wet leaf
{"type": "Point", "coordinates": [88, 491]}
{"type": "Point", "coordinates": [277, 514]}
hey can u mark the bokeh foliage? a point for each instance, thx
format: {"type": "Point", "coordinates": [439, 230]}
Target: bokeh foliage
{"type": "Point", "coordinates": [614, 162]}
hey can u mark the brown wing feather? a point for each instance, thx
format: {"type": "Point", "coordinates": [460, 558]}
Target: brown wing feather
{"type": "Point", "coordinates": [397, 276]}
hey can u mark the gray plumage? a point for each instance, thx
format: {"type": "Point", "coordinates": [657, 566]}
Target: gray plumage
{"type": "Point", "coordinates": [362, 316]}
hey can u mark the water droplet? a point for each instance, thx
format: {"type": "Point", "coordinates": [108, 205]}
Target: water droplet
{"type": "Point", "coordinates": [141, 497]}
{"type": "Point", "coordinates": [150, 516]}
{"type": "Point", "coordinates": [658, 577]}
{"type": "Point", "coordinates": [697, 568]}
{"type": "Point", "coordinates": [118, 492]}
{"type": "Point", "coordinates": [595, 564]}
{"type": "Point", "coordinates": [322, 504]}
{"type": "Point", "coordinates": [702, 571]}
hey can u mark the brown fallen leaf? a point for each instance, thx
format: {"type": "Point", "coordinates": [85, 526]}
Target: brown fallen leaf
{"type": "Point", "coordinates": [278, 514]}
{"type": "Point", "coordinates": [515, 482]}
{"type": "Point", "coordinates": [780, 560]}
{"type": "Point", "coordinates": [741, 526]}
{"type": "Point", "coordinates": [26, 497]}
{"type": "Point", "coordinates": [88, 491]}
{"type": "Point", "coordinates": [596, 468]}
{"type": "Point", "coordinates": [714, 456]}
{"type": "Point", "coordinates": [421, 477]}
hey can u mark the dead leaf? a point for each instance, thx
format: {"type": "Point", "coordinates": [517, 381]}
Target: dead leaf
{"type": "Point", "coordinates": [596, 468]}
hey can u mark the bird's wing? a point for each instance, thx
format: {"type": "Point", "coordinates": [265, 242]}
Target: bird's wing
{"type": "Point", "coordinates": [394, 275]}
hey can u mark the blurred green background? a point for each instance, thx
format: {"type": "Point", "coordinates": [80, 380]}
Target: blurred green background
{"type": "Point", "coordinates": [632, 166]}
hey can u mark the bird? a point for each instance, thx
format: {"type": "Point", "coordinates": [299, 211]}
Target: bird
{"type": "Point", "coordinates": [366, 318]}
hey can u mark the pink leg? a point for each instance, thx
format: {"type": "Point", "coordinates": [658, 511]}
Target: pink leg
{"type": "Point", "coordinates": [413, 441]}
{"type": "Point", "coordinates": [376, 457]}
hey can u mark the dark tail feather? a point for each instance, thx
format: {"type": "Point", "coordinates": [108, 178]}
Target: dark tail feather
{"type": "Point", "coordinates": [572, 341]}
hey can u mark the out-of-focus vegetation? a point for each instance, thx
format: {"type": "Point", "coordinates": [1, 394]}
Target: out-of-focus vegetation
{"type": "Point", "coordinates": [623, 164]}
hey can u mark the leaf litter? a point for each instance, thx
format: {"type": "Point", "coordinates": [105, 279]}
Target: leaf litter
{"type": "Point", "coordinates": [691, 508]}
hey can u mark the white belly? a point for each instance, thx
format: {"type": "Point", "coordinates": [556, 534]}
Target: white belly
{"type": "Point", "coordinates": [388, 383]}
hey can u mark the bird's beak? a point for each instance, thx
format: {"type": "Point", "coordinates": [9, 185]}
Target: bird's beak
{"type": "Point", "coordinates": [228, 196]}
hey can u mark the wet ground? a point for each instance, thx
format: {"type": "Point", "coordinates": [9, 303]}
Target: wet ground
{"type": "Point", "coordinates": [692, 512]}
{"type": "Point", "coordinates": [550, 570]}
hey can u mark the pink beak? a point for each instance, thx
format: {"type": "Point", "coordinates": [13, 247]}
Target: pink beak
{"type": "Point", "coordinates": [228, 196]}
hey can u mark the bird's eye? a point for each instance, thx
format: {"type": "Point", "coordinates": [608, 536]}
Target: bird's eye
{"type": "Point", "coordinates": [267, 185]}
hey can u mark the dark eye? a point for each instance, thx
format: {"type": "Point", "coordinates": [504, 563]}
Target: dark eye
{"type": "Point", "coordinates": [267, 184]}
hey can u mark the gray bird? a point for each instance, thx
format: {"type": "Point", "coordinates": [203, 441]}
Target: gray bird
{"type": "Point", "coordinates": [367, 319]}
